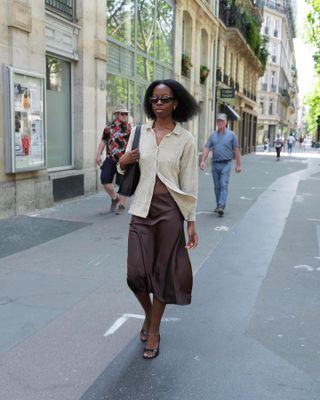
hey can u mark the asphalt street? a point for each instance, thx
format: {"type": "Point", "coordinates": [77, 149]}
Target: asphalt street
{"type": "Point", "coordinates": [69, 324]}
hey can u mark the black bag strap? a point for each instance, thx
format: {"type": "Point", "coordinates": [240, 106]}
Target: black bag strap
{"type": "Point", "coordinates": [136, 138]}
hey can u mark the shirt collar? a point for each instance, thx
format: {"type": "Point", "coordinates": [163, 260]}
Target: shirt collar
{"type": "Point", "coordinates": [176, 130]}
{"type": "Point", "coordinates": [118, 123]}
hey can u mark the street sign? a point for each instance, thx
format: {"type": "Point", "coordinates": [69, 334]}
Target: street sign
{"type": "Point", "coordinates": [227, 93]}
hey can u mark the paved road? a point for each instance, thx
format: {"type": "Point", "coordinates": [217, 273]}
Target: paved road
{"type": "Point", "coordinates": [250, 333]}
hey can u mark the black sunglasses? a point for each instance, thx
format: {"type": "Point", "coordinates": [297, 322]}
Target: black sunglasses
{"type": "Point", "coordinates": [123, 113]}
{"type": "Point", "coordinates": [162, 99]}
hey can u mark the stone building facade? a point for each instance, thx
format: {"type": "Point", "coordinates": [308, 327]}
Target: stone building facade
{"type": "Point", "coordinates": [278, 88]}
{"type": "Point", "coordinates": [63, 41]}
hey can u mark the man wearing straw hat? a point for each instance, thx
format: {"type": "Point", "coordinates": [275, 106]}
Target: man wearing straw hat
{"type": "Point", "coordinates": [115, 139]}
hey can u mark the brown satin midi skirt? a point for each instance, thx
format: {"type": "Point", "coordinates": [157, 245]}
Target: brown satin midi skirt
{"type": "Point", "coordinates": [158, 262]}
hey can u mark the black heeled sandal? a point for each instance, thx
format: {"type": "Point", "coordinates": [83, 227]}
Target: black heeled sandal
{"type": "Point", "coordinates": [154, 352]}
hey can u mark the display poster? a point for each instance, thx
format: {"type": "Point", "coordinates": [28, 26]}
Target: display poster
{"type": "Point", "coordinates": [26, 133]}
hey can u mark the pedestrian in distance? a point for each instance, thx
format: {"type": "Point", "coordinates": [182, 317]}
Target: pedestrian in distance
{"type": "Point", "coordinates": [290, 142]}
{"type": "Point", "coordinates": [114, 139]}
{"type": "Point", "coordinates": [224, 146]}
{"type": "Point", "coordinates": [278, 144]}
{"type": "Point", "coordinates": [166, 196]}
{"type": "Point", "coordinates": [266, 144]}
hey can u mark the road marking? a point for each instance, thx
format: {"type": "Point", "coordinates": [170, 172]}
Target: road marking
{"type": "Point", "coordinates": [221, 228]}
{"type": "Point", "coordinates": [120, 321]}
{"type": "Point", "coordinates": [245, 198]}
{"type": "Point", "coordinates": [98, 259]}
{"type": "Point", "coordinates": [313, 219]}
{"type": "Point", "coordinates": [258, 187]}
{"type": "Point", "coordinates": [303, 266]}
{"type": "Point", "coordinates": [204, 212]}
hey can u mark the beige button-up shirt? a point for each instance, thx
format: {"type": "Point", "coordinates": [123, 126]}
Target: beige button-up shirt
{"type": "Point", "coordinates": [174, 161]}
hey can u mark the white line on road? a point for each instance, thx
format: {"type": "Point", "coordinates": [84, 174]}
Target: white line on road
{"type": "Point", "coordinates": [120, 321]}
{"type": "Point", "coordinates": [221, 228]}
{"type": "Point", "coordinates": [306, 267]}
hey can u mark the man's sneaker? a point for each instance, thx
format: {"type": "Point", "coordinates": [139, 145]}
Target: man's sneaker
{"type": "Point", "coordinates": [220, 212]}
{"type": "Point", "coordinates": [114, 204]}
{"type": "Point", "coordinates": [120, 209]}
{"type": "Point", "coordinates": [216, 210]}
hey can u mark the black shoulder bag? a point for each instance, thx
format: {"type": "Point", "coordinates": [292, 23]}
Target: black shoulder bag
{"type": "Point", "coordinates": [131, 177]}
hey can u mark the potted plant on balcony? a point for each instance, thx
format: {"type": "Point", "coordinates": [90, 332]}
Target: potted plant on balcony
{"type": "Point", "coordinates": [204, 72]}
{"type": "Point", "coordinates": [185, 64]}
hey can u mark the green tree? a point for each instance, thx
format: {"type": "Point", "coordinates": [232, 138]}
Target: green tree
{"type": "Point", "coordinates": [312, 36]}
{"type": "Point", "coordinates": [313, 102]}
{"type": "Point", "coordinates": [313, 29]}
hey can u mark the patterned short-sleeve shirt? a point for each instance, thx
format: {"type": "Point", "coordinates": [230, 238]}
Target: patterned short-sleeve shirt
{"type": "Point", "coordinates": [116, 136]}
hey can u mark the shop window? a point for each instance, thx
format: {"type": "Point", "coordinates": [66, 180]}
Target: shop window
{"type": "Point", "coordinates": [140, 49]}
{"type": "Point", "coordinates": [58, 97]}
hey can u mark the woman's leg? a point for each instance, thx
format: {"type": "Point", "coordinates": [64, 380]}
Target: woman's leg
{"type": "Point", "coordinates": [145, 301]}
{"type": "Point", "coordinates": [154, 330]}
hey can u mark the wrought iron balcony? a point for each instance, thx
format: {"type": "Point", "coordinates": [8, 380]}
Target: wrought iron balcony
{"type": "Point", "coordinates": [231, 17]}
{"type": "Point", "coordinates": [65, 8]}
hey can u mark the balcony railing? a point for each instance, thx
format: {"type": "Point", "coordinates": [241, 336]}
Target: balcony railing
{"type": "Point", "coordinates": [225, 79]}
{"type": "Point", "coordinates": [231, 17]}
{"type": "Point", "coordinates": [65, 8]}
{"type": "Point", "coordinates": [264, 86]}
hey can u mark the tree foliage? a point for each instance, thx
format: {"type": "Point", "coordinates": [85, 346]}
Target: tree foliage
{"type": "Point", "coordinates": [313, 29]}
{"type": "Point", "coordinates": [312, 35]}
{"type": "Point", "coordinates": [313, 102]}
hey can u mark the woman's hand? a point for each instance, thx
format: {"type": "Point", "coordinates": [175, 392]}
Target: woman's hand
{"type": "Point", "coordinates": [192, 236]}
{"type": "Point", "coordinates": [130, 157]}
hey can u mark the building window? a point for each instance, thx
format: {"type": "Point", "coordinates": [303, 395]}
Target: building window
{"type": "Point", "coordinates": [65, 8]}
{"type": "Point", "coordinates": [58, 97]}
{"type": "Point", "coordinates": [273, 79]}
{"type": "Point", "coordinates": [140, 43]}
{"type": "Point", "coordinates": [262, 105]}
{"type": "Point", "coordinates": [271, 107]}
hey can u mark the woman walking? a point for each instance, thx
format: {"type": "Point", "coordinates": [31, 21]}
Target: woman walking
{"type": "Point", "coordinates": [158, 261]}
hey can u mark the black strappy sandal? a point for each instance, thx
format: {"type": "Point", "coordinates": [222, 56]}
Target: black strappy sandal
{"type": "Point", "coordinates": [155, 352]}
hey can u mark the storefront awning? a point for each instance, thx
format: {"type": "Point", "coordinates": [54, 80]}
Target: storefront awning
{"type": "Point", "coordinates": [231, 113]}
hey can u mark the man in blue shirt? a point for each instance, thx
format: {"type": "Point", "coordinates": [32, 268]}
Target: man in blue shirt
{"type": "Point", "coordinates": [224, 145]}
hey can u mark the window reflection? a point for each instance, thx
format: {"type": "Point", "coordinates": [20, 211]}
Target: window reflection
{"type": "Point", "coordinates": [117, 93]}
{"type": "Point", "coordinates": [145, 39]}
{"type": "Point", "coordinates": [145, 68]}
{"type": "Point", "coordinates": [120, 20]}
{"type": "Point", "coordinates": [54, 78]}
{"type": "Point", "coordinates": [146, 26]}
{"type": "Point", "coordinates": [164, 42]}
